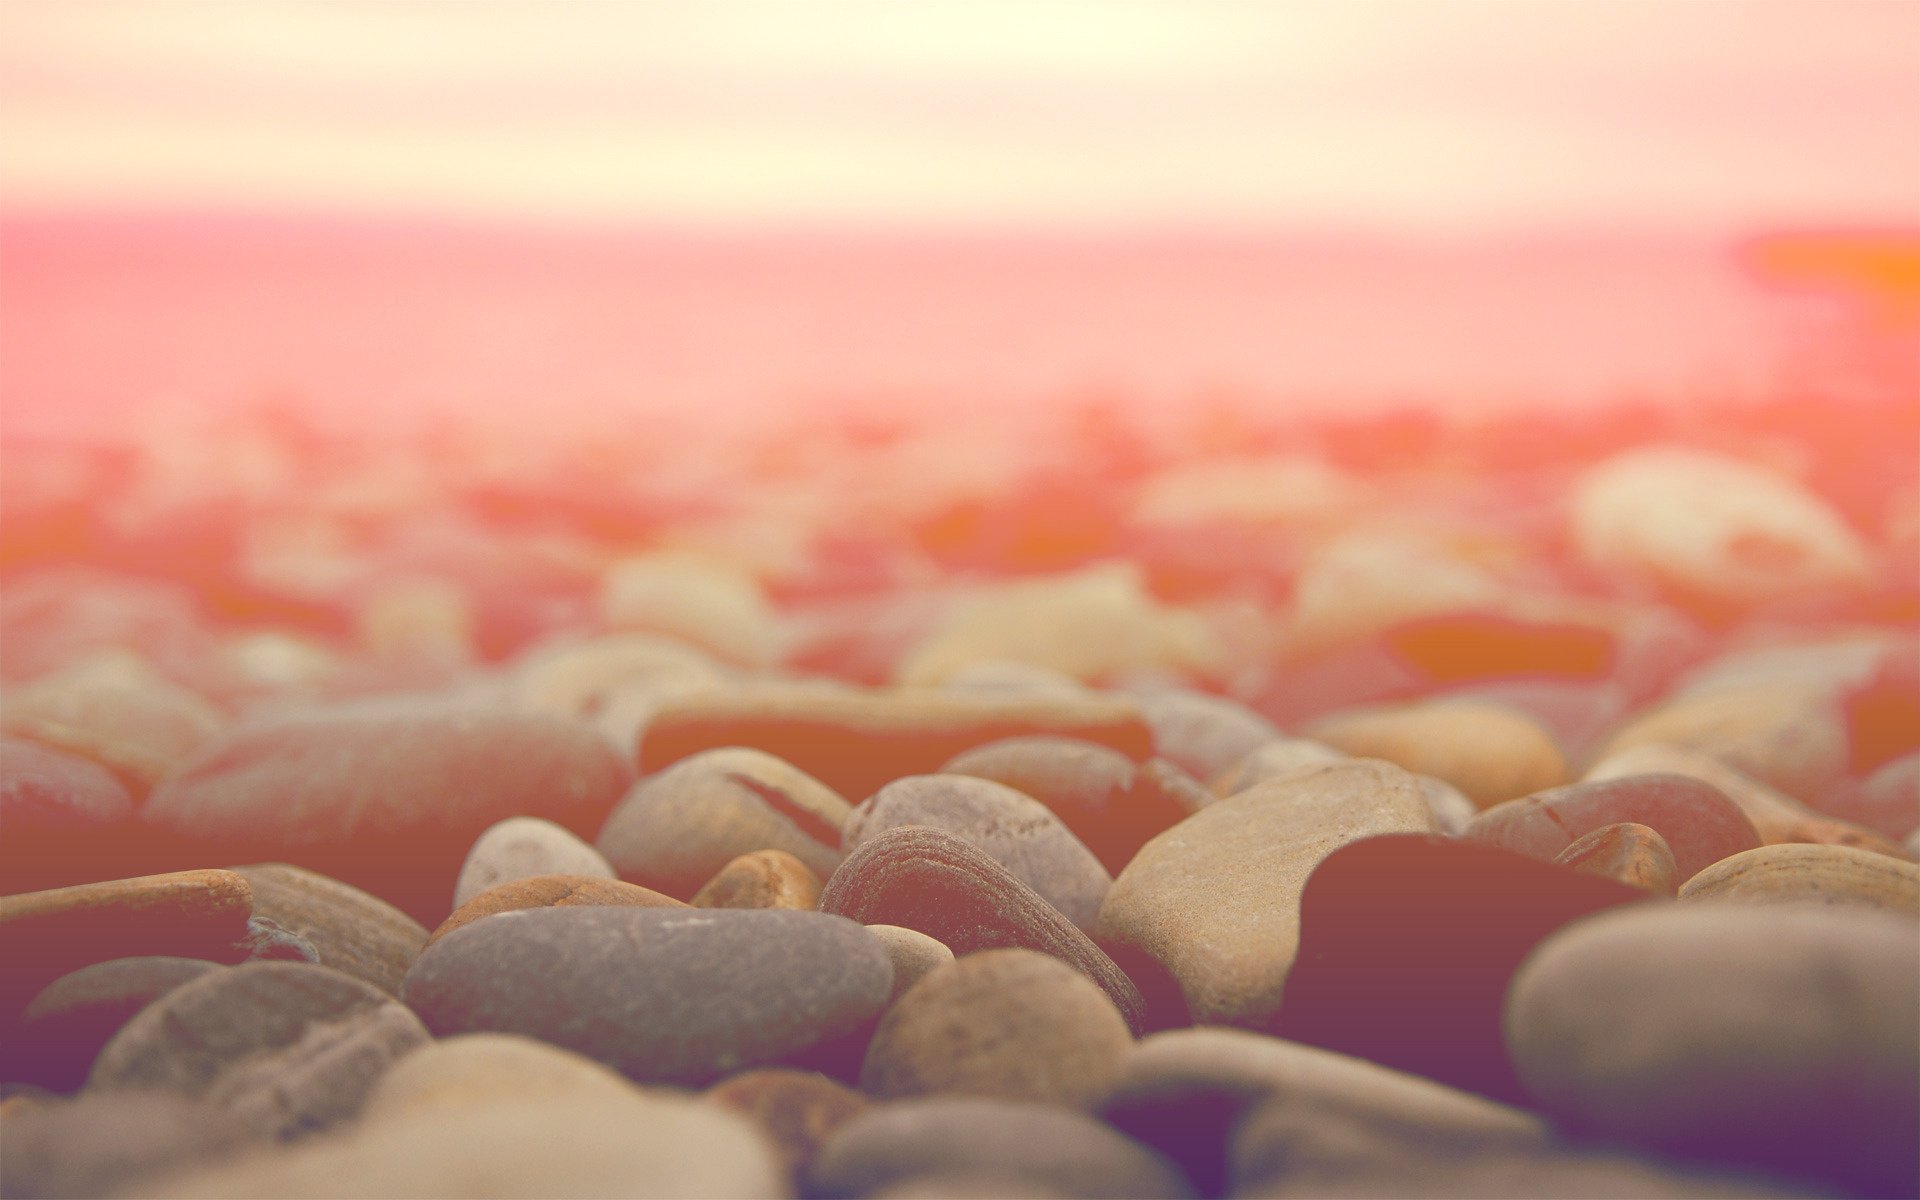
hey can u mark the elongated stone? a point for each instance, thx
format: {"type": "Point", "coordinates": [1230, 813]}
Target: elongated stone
{"type": "Point", "coordinates": [933, 882]}
{"type": "Point", "coordinates": [1636, 855]}
{"type": "Point", "coordinates": [553, 891]}
{"type": "Point", "coordinates": [349, 930]}
{"type": "Point", "coordinates": [1216, 899]}
{"type": "Point", "coordinates": [857, 741]}
{"type": "Point", "coordinates": [1489, 751]}
{"type": "Point", "coordinates": [1811, 874]}
{"type": "Point", "coordinates": [64, 1027]}
{"type": "Point", "coordinates": [1699, 823]}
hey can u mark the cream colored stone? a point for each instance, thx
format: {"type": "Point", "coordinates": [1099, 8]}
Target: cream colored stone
{"type": "Point", "coordinates": [913, 954]}
{"type": "Point", "coordinates": [474, 1070]}
{"type": "Point", "coordinates": [521, 848]}
{"type": "Point", "coordinates": [1789, 734]}
{"type": "Point", "coordinates": [685, 595]}
{"type": "Point", "coordinates": [1491, 752]}
{"type": "Point", "coordinates": [1838, 875]}
{"type": "Point", "coordinates": [1216, 898]}
{"type": "Point", "coordinates": [116, 709]}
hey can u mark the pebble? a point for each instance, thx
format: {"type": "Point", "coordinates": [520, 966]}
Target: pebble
{"type": "Point", "coordinates": [1712, 527]}
{"type": "Point", "coordinates": [1887, 801]}
{"type": "Point", "coordinates": [1636, 855]}
{"type": "Point", "coordinates": [1698, 822]}
{"type": "Point", "coordinates": [1091, 625]}
{"type": "Point", "coordinates": [676, 829]}
{"type": "Point", "coordinates": [522, 847]}
{"type": "Point", "coordinates": [1203, 735]}
{"type": "Point", "coordinates": [999, 675]}
{"type": "Point", "coordinates": [665, 995]}
{"type": "Point", "coordinates": [1759, 1037]}
{"type": "Point", "coordinates": [64, 1027]}
{"type": "Point", "coordinates": [796, 1110]}
{"type": "Point", "coordinates": [651, 1146]}
{"type": "Point", "coordinates": [1776, 817]}
{"type": "Point", "coordinates": [117, 710]}
{"type": "Point", "coordinates": [722, 611]}
{"type": "Point", "coordinates": [578, 678]}
{"type": "Point", "coordinates": [933, 882]}
{"type": "Point", "coordinates": [552, 891]}
{"type": "Point", "coordinates": [470, 1070]}
{"type": "Point", "coordinates": [1047, 1144]}
{"type": "Point", "coordinates": [1188, 1092]}
{"type": "Point", "coordinates": [1109, 802]}
{"type": "Point", "coordinates": [1012, 828]}
{"type": "Point", "coordinates": [420, 780]}
{"type": "Point", "coordinates": [112, 1143]}
{"type": "Point", "coordinates": [762, 879]}
{"type": "Point", "coordinates": [1554, 1174]}
{"type": "Point", "coordinates": [1282, 759]}
{"type": "Point", "coordinates": [913, 954]}
{"type": "Point", "coordinates": [1215, 899]}
{"type": "Point", "coordinates": [66, 818]}
{"type": "Point", "coordinates": [1489, 751]}
{"type": "Point", "coordinates": [857, 741]}
{"type": "Point", "coordinates": [289, 1048]}
{"type": "Point", "coordinates": [1790, 734]}
{"type": "Point", "coordinates": [349, 930]}
{"type": "Point", "coordinates": [1408, 945]}
{"type": "Point", "coordinates": [1016, 1024]}
{"type": "Point", "coordinates": [189, 914]}
{"type": "Point", "coordinates": [1837, 875]}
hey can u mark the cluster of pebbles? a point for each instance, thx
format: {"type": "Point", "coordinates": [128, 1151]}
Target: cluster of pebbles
{"type": "Point", "coordinates": [1574, 858]}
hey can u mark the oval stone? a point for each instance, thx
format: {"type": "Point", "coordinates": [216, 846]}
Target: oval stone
{"type": "Point", "coordinates": [913, 954]}
{"type": "Point", "coordinates": [1770, 1037]}
{"type": "Point", "coordinates": [1837, 875]}
{"type": "Point", "coordinates": [944, 887]}
{"type": "Point", "coordinates": [349, 930]}
{"type": "Point", "coordinates": [113, 1144]}
{"type": "Point", "coordinates": [1011, 1023]}
{"type": "Point", "coordinates": [386, 795]}
{"type": "Point", "coordinates": [553, 891]}
{"type": "Point", "coordinates": [522, 847]}
{"type": "Point", "coordinates": [1489, 751]}
{"type": "Point", "coordinates": [677, 828]}
{"type": "Point", "coordinates": [664, 995]}
{"type": "Point", "coordinates": [470, 1070]}
{"type": "Point", "coordinates": [763, 879]}
{"type": "Point", "coordinates": [1700, 824]}
{"type": "Point", "coordinates": [1202, 735]}
{"type": "Point", "coordinates": [290, 1048]}
{"type": "Point", "coordinates": [1012, 828]}
{"type": "Point", "coordinates": [1216, 899]}
{"type": "Point", "coordinates": [1056, 1146]}
{"type": "Point", "coordinates": [797, 1110]}
{"type": "Point", "coordinates": [1636, 855]}
{"type": "Point", "coordinates": [64, 1027]}
{"type": "Point", "coordinates": [67, 819]}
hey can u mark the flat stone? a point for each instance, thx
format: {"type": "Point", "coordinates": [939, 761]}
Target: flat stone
{"type": "Point", "coordinates": [942, 886]}
{"type": "Point", "coordinates": [1215, 899]}
{"type": "Point", "coordinates": [1202, 735]}
{"type": "Point", "coordinates": [109, 1144]}
{"type": "Point", "coordinates": [290, 1048]}
{"type": "Point", "coordinates": [522, 847]}
{"type": "Point", "coordinates": [349, 930]}
{"type": "Point", "coordinates": [471, 1070]}
{"type": "Point", "coordinates": [1407, 947]}
{"type": "Point", "coordinates": [64, 1027]}
{"type": "Point", "coordinates": [1016, 1024]}
{"type": "Point", "coordinates": [1699, 823]}
{"type": "Point", "coordinates": [796, 1110]}
{"type": "Point", "coordinates": [651, 1146]}
{"type": "Point", "coordinates": [664, 995]}
{"type": "Point", "coordinates": [420, 780]}
{"type": "Point", "coordinates": [676, 829]}
{"type": "Point", "coordinates": [1838, 875]}
{"type": "Point", "coordinates": [1789, 734]}
{"type": "Point", "coordinates": [857, 741]}
{"type": "Point", "coordinates": [117, 710]}
{"type": "Point", "coordinates": [1767, 1037]}
{"type": "Point", "coordinates": [553, 891]}
{"type": "Point", "coordinates": [1489, 751]}
{"type": "Point", "coordinates": [188, 914]}
{"type": "Point", "coordinates": [1553, 1174]}
{"type": "Point", "coordinates": [1054, 1146]}
{"type": "Point", "coordinates": [1635, 855]}
{"type": "Point", "coordinates": [67, 819]}
{"type": "Point", "coordinates": [762, 879]}
{"type": "Point", "coordinates": [1188, 1093]}
{"type": "Point", "coordinates": [913, 954]}
{"type": "Point", "coordinates": [1112, 804]}
{"type": "Point", "coordinates": [576, 678]}
{"type": "Point", "coordinates": [1012, 828]}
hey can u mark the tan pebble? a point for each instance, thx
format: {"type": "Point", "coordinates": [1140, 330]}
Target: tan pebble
{"type": "Point", "coordinates": [1633, 854]}
{"type": "Point", "coordinates": [913, 954]}
{"type": "Point", "coordinates": [1788, 734]}
{"type": "Point", "coordinates": [686, 596]}
{"type": "Point", "coordinates": [117, 710]}
{"type": "Point", "coordinates": [468, 1070]}
{"type": "Point", "coordinates": [1817, 874]}
{"type": "Point", "coordinates": [1282, 759]}
{"type": "Point", "coordinates": [550, 891]}
{"type": "Point", "coordinates": [351, 930]}
{"type": "Point", "coordinates": [1489, 751]}
{"type": "Point", "coordinates": [1015, 1024]}
{"type": "Point", "coordinates": [797, 1110]}
{"type": "Point", "coordinates": [577, 679]}
{"type": "Point", "coordinates": [1216, 899]}
{"type": "Point", "coordinates": [522, 847]}
{"type": "Point", "coordinates": [763, 879]}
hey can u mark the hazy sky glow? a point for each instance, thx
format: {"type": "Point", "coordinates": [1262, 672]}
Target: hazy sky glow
{"type": "Point", "coordinates": [1425, 114]}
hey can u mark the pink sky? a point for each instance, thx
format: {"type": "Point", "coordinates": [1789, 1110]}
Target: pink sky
{"type": "Point", "coordinates": [1430, 114]}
